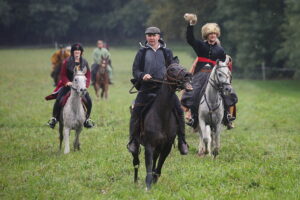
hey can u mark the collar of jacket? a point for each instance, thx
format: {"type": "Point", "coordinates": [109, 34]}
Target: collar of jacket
{"type": "Point", "coordinates": [161, 42]}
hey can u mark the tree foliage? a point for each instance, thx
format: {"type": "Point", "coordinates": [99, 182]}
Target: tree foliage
{"type": "Point", "coordinates": [253, 31]}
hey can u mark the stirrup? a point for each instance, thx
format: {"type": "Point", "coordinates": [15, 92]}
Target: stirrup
{"type": "Point", "coordinates": [190, 122]}
{"type": "Point", "coordinates": [52, 122]}
{"type": "Point", "coordinates": [89, 123]}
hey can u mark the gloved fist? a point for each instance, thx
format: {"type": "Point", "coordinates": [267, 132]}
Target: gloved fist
{"type": "Point", "coordinates": [191, 18]}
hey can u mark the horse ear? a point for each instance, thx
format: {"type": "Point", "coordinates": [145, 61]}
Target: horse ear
{"type": "Point", "coordinates": [217, 61]}
{"type": "Point", "coordinates": [84, 70]}
{"type": "Point", "coordinates": [75, 70]}
{"type": "Point", "coordinates": [227, 59]}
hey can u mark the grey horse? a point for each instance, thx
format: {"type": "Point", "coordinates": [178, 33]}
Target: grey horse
{"type": "Point", "coordinates": [211, 109]}
{"type": "Point", "coordinates": [73, 114]}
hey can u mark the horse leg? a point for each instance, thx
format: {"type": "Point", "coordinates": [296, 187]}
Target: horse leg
{"type": "Point", "coordinates": [202, 132]}
{"type": "Point", "coordinates": [96, 86]}
{"type": "Point", "coordinates": [102, 91]}
{"type": "Point", "coordinates": [76, 141]}
{"type": "Point", "coordinates": [217, 141]}
{"type": "Point", "coordinates": [106, 91]}
{"type": "Point", "coordinates": [162, 157]}
{"type": "Point", "coordinates": [136, 164]}
{"type": "Point", "coordinates": [67, 142]}
{"type": "Point", "coordinates": [149, 165]}
{"type": "Point", "coordinates": [61, 134]}
{"type": "Point", "coordinates": [155, 157]}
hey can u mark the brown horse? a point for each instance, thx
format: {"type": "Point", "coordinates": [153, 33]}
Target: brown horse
{"type": "Point", "coordinates": [102, 78]}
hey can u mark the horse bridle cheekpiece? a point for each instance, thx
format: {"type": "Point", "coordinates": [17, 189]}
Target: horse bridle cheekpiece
{"type": "Point", "coordinates": [216, 81]}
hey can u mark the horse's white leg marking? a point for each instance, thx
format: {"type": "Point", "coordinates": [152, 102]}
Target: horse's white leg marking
{"type": "Point", "coordinates": [67, 143]}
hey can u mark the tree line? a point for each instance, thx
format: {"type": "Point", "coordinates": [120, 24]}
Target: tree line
{"type": "Point", "coordinates": [254, 32]}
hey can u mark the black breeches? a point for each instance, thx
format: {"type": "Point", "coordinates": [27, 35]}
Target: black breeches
{"type": "Point", "coordinates": [57, 107]}
{"type": "Point", "coordinates": [88, 104]}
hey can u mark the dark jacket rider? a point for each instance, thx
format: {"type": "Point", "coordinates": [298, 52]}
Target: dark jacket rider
{"type": "Point", "coordinates": [151, 62]}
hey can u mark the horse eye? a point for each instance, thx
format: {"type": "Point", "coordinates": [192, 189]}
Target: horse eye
{"type": "Point", "coordinates": [219, 75]}
{"type": "Point", "coordinates": [75, 79]}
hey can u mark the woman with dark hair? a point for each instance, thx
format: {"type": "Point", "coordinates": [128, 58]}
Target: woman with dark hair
{"type": "Point", "coordinates": [65, 83]}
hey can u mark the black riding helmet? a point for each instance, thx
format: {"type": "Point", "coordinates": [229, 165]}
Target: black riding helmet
{"type": "Point", "coordinates": [76, 46]}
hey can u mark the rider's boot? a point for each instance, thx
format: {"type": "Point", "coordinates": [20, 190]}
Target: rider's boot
{"type": "Point", "coordinates": [230, 117]}
{"type": "Point", "coordinates": [88, 104]}
{"type": "Point", "coordinates": [55, 114]}
{"type": "Point", "coordinates": [182, 145]}
{"type": "Point", "coordinates": [134, 129]}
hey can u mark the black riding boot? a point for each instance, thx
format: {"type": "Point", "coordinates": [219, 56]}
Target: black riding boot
{"type": "Point", "coordinates": [88, 104]}
{"type": "Point", "coordinates": [182, 145]}
{"type": "Point", "coordinates": [134, 129]}
{"type": "Point", "coordinates": [55, 114]}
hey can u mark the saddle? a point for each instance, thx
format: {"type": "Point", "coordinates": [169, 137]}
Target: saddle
{"type": "Point", "coordinates": [65, 98]}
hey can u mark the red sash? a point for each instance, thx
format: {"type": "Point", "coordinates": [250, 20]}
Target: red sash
{"type": "Point", "coordinates": [202, 59]}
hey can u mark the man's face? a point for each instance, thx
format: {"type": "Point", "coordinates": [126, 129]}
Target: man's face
{"type": "Point", "coordinates": [152, 39]}
{"type": "Point", "coordinates": [212, 37]}
{"type": "Point", "coordinates": [100, 44]}
{"type": "Point", "coordinates": [77, 53]}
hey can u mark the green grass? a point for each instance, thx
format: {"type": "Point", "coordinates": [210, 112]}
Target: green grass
{"type": "Point", "coordinates": [259, 159]}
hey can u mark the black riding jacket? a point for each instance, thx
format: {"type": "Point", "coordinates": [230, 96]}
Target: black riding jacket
{"type": "Point", "coordinates": [148, 61]}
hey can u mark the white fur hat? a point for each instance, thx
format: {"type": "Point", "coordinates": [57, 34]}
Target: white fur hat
{"type": "Point", "coordinates": [210, 28]}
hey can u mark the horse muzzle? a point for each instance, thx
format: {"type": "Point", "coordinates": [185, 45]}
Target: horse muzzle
{"type": "Point", "coordinates": [82, 92]}
{"type": "Point", "coordinates": [227, 89]}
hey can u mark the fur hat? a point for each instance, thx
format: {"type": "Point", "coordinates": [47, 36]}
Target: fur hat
{"type": "Point", "coordinates": [209, 28]}
{"type": "Point", "coordinates": [191, 18]}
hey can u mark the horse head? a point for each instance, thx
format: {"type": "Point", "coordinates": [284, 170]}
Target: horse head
{"type": "Point", "coordinates": [79, 81]}
{"type": "Point", "coordinates": [221, 77]}
{"type": "Point", "coordinates": [180, 76]}
{"type": "Point", "coordinates": [103, 64]}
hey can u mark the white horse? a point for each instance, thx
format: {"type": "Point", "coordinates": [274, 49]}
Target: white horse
{"type": "Point", "coordinates": [73, 114]}
{"type": "Point", "coordinates": [211, 109]}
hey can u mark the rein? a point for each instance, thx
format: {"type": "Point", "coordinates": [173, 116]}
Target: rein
{"type": "Point", "coordinates": [151, 80]}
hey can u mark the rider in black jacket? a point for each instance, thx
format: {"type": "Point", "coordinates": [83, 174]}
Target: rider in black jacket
{"type": "Point", "coordinates": [151, 62]}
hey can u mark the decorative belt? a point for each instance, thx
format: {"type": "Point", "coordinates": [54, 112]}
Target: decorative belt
{"type": "Point", "coordinates": [206, 60]}
{"type": "Point", "coordinates": [205, 70]}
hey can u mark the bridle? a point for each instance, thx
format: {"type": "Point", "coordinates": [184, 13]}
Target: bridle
{"type": "Point", "coordinates": [72, 87]}
{"type": "Point", "coordinates": [215, 82]}
{"type": "Point", "coordinates": [168, 80]}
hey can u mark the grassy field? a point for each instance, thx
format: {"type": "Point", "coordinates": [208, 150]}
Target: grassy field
{"type": "Point", "coordinates": [259, 159]}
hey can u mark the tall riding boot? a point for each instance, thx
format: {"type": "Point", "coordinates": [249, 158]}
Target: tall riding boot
{"type": "Point", "coordinates": [182, 145]}
{"type": "Point", "coordinates": [230, 117]}
{"type": "Point", "coordinates": [134, 129]}
{"type": "Point", "coordinates": [55, 114]}
{"type": "Point", "coordinates": [88, 104]}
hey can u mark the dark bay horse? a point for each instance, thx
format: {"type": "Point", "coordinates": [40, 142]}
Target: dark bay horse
{"type": "Point", "coordinates": [102, 78]}
{"type": "Point", "coordinates": [159, 126]}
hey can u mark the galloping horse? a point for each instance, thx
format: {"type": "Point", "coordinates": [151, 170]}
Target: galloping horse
{"type": "Point", "coordinates": [211, 109]}
{"type": "Point", "coordinates": [73, 114]}
{"type": "Point", "coordinates": [159, 126]}
{"type": "Point", "coordinates": [102, 78]}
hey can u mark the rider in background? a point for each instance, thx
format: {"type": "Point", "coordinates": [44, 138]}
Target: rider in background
{"type": "Point", "coordinates": [65, 83]}
{"type": "Point", "coordinates": [98, 53]}
{"type": "Point", "coordinates": [208, 51]}
{"type": "Point", "coordinates": [56, 60]}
